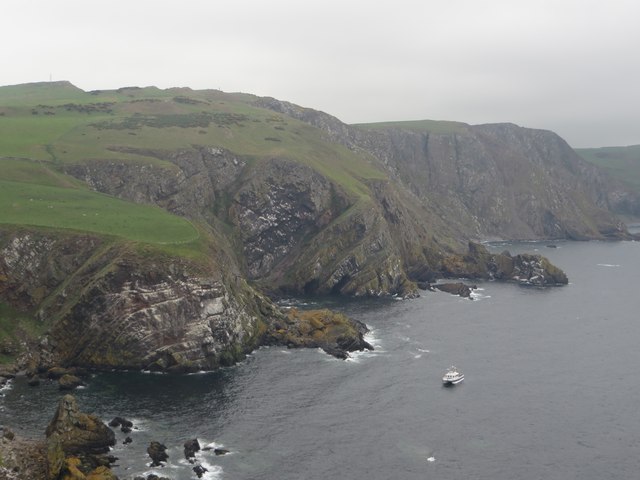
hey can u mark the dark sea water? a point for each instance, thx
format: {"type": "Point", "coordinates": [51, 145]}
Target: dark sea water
{"type": "Point", "coordinates": [552, 390]}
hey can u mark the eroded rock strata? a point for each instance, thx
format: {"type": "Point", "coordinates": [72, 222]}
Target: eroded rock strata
{"type": "Point", "coordinates": [287, 225]}
{"type": "Point", "coordinates": [126, 308]}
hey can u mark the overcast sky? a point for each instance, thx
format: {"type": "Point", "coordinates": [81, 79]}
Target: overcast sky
{"type": "Point", "coordinates": [571, 66]}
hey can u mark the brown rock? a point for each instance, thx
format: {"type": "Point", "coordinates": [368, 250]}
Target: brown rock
{"type": "Point", "coordinates": [72, 433]}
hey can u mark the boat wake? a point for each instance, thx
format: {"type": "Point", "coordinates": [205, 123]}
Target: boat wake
{"type": "Point", "coordinates": [612, 265]}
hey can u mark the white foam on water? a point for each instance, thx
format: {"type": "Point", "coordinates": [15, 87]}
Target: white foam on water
{"type": "Point", "coordinates": [213, 471]}
{"type": "Point", "coordinates": [207, 444]}
{"type": "Point", "coordinates": [359, 355]}
{"type": "Point", "coordinates": [423, 350]}
{"type": "Point", "coordinates": [477, 295]}
{"type": "Point", "coordinates": [6, 387]}
{"type": "Point", "coordinates": [139, 425]}
{"type": "Point", "coordinates": [353, 358]}
{"type": "Point", "coordinates": [288, 352]}
{"type": "Point", "coordinates": [371, 338]}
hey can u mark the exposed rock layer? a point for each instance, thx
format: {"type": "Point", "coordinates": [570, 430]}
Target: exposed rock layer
{"type": "Point", "coordinates": [291, 226]}
{"type": "Point", "coordinates": [129, 309]}
{"type": "Point", "coordinates": [298, 230]}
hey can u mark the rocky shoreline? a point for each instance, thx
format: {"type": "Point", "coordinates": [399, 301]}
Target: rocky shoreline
{"type": "Point", "coordinates": [22, 458]}
{"type": "Point", "coordinates": [77, 445]}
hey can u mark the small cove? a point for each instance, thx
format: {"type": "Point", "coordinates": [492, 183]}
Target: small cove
{"type": "Point", "coordinates": [550, 389]}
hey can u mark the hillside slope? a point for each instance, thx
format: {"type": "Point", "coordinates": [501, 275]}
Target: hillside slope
{"type": "Point", "coordinates": [188, 195]}
{"type": "Point", "coordinates": [623, 165]}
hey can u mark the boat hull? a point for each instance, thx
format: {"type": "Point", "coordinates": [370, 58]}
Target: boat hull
{"type": "Point", "coordinates": [453, 381]}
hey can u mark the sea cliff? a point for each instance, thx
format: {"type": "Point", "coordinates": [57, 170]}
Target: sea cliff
{"type": "Point", "coordinates": [282, 200]}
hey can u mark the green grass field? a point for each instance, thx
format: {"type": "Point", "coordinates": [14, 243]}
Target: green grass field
{"type": "Point", "coordinates": [60, 123]}
{"type": "Point", "coordinates": [78, 209]}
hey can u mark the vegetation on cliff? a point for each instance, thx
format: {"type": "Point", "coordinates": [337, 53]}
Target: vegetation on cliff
{"type": "Point", "coordinates": [139, 225]}
{"type": "Point", "coordinates": [623, 165]}
{"type": "Point", "coordinates": [330, 331]}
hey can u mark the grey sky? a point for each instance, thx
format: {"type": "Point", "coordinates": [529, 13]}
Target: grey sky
{"type": "Point", "coordinates": [565, 65]}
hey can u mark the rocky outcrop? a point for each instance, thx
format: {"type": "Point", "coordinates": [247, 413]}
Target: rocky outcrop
{"type": "Point", "coordinates": [488, 181]}
{"type": "Point", "coordinates": [76, 443]}
{"type": "Point", "coordinates": [145, 320]}
{"type": "Point", "coordinates": [158, 453]}
{"type": "Point", "coordinates": [69, 382]}
{"type": "Point", "coordinates": [22, 459]}
{"type": "Point", "coordinates": [332, 332]}
{"type": "Point", "coordinates": [458, 288]}
{"type": "Point", "coordinates": [525, 269]}
{"type": "Point", "coordinates": [278, 208]}
{"type": "Point", "coordinates": [296, 229]}
{"type": "Point", "coordinates": [33, 265]}
{"type": "Point", "coordinates": [127, 308]}
{"type": "Point", "coordinates": [188, 182]}
{"type": "Point", "coordinates": [190, 448]}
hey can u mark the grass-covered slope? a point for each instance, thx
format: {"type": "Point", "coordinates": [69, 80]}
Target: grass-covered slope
{"type": "Point", "coordinates": [48, 126]}
{"type": "Point", "coordinates": [58, 123]}
{"type": "Point", "coordinates": [91, 250]}
{"type": "Point", "coordinates": [33, 194]}
{"type": "Point", "coordinates": [135, 138]}
{"type": "Point", "coordinates": [622, 163]}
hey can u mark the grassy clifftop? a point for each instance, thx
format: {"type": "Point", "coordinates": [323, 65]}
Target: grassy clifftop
{"type": "Point", "coordinates": [622, 163]}
{"type": "Point", "coordinates": [58, 123]}
{"type": "Point", "coordinates": [179, 196]}
{"type": "Point", "coordinates": [50, 126]}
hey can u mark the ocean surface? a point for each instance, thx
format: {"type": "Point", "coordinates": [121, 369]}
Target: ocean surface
{"type": "Point", "coordinates": [552, 390]}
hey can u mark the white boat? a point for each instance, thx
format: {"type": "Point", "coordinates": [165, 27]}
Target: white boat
{"type": "Point", "coordinates": [453, 376]}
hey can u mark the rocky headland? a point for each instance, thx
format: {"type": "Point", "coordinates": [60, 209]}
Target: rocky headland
{"type": "Point", "coordinates": [286, 200]}
{"type": "Point", "coordinates": [324, 209]}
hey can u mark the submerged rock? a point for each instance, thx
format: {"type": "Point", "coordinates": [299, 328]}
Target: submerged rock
{"type": "Point", "coordinates": [124, 424]}
{"type": "Point", "coordinates": [69, 382]}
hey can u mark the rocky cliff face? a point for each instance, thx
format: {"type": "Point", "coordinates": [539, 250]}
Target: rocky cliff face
{"type": "Point", "coordinates": [279, 206]}
{"type": "Point", "coordinates": [190, 182]}
{"type": "Point", "coordinates": [294, 229]}
{"type": "Point", "coordinates": [503, 181]}
{"type": "Point", "coordinates": [110, 305]}
{"type": "Point", "coordinates": [488, 181]}
{"type": "Point", "coordinates": [287, 223]}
